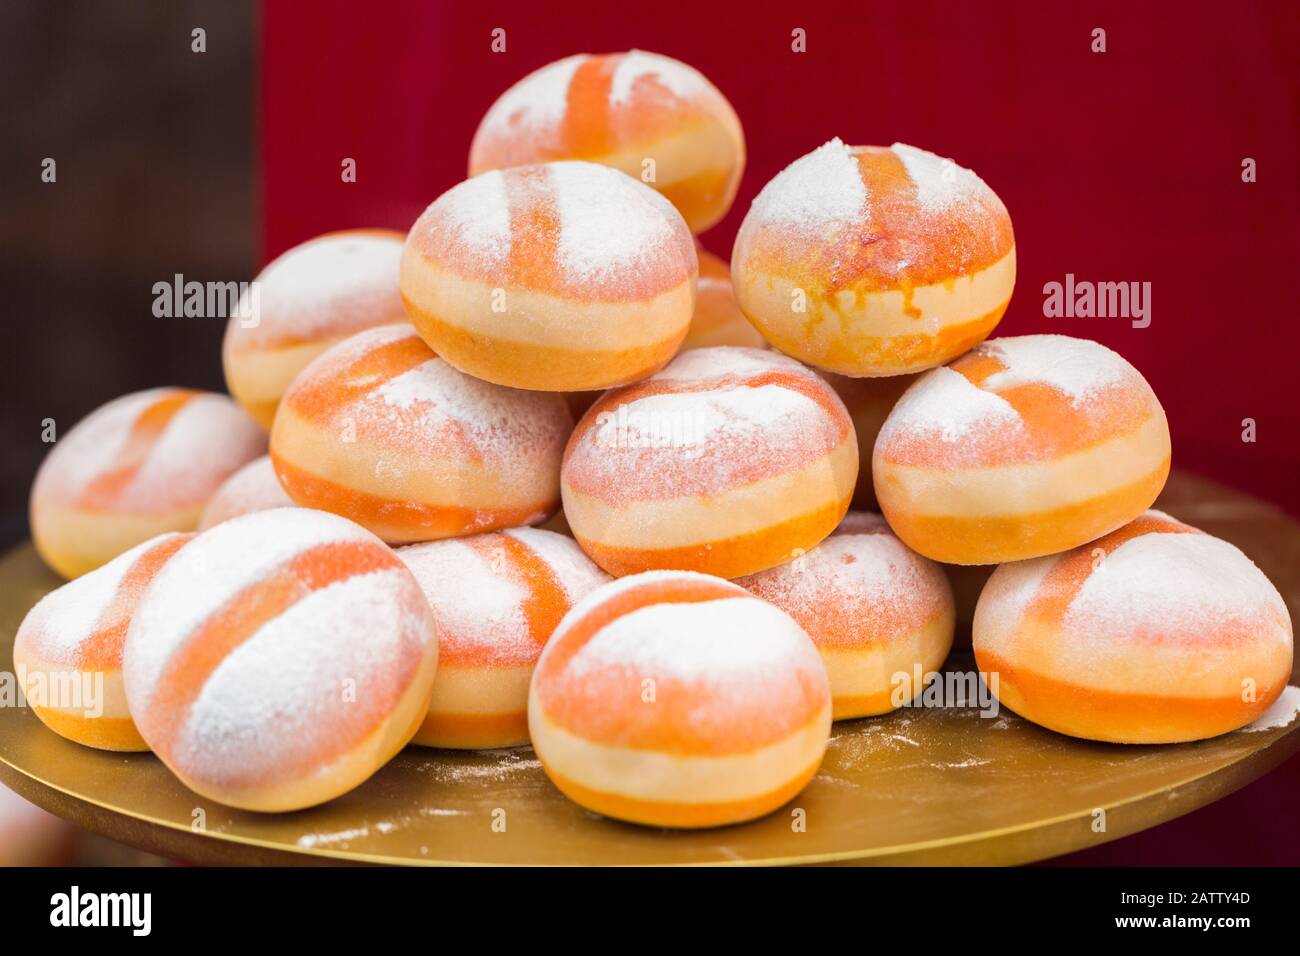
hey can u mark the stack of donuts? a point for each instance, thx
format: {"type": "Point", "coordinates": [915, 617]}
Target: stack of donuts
{"type": "Point", "coordinates": [276, 593]}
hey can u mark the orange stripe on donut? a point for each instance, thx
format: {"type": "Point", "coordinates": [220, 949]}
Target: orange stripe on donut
{"type": "Point", "coordinates": [587, 129]}
{"type": "Point", "coordinates": [148, 427]}
{"type": "Point", "coordinates": [669, 591]}
{"type": "Point", "coordinates": [203, 651]}
{"type": "Point", "coordinates": [545, 601]}
{"type": "Point", "coordinates": [534, 227]}
{"type": "Point", "coordinates": [680, 814]}
{"type": "Point", "coordinates": [398, 520]}
{"type": "Point", "coordinates": [321, 397]}
{"type": "Point", "coordinates": [103, 649]}
{"type": "Point", "coordinates": [1060, 586]}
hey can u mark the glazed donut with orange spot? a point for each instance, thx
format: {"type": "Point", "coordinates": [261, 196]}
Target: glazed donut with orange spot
{"type": "Point", "coordinates": [678, 699]}
{"type": "Point", "coordinates": [68, 650]}
{"type": "Point", "coordinates": [279, 659]}
{"type": "Point", "coordinates": [382, 431]}
{"type": "Point", "coordinates": [728, 462]}
{"type": "Point", "coordinates": [316, 294]}
{"type": "Point", "coordinates": [717, 319]}
{"type": "Point", "coordinates": [143, 464]}
{"type": "Point", "coordinates": [562, 277]}
{"type": "Point", "coordinates": [253, 488]}
{"type": "Point", "coordinates": [874, 261]}
{"type": "Point", "coordinates": [874, 608]}
{"type": "Point", "coordinates": [869, 401]}
{"type": "Point", "coordinates": [1156, 633]}
{"type": "Point", "coordinates": [650, 116]}
{"type": "Point", "coordinates": [496, 599]}
{"type": "Point", "coordinates": [1023, 447]}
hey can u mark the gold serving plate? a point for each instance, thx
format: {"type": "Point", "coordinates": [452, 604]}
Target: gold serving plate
{"type": "Point", "coordinates": [920, 786]}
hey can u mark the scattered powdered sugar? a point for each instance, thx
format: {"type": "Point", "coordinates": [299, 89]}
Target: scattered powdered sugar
{"type": "Point", "coordinates": [943, 405]}
{"type": "Point", "coordinates": [822, 188]}
{"type": "Point", "coordinates": [1281, 713]}
{"type": "Point", "coordinates": [682, 81]}
{"type": "Point", "coordinates": [537, 102]}
{"type": "Point", "coordinates": [940, 183]}
{"type": "Point", "coordinates": [206, 441]}
{"type": "Point", "coordinates": [475, 604]}
{"type": "Point", "coordinates": [1078, 367]}
{"type": "Point", "coordinates": [609, 222]}
{"type": "Point", "coordinates": [277, 696]}
{"type": "Point", "coordinates": [731, 639]}
{"type": "Point", "coordinates": [253, 488]}
{"type": "Point", "coordinates": [212, 569]}
{"type": "Point", "coordinates": [344, 837]}
{"type": "Point", "coordinates": [63, 619]}
{"type": "Point", "coordinates": [476, 215]}
{"type": "Point", "coordinates": [1175, 583]}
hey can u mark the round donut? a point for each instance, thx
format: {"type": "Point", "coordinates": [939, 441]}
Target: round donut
{"type": "Point", "coordinates": [253, 488]}
{"type": "Point", "coordinates": [68, 650]}
{"type": "Point", "coordinates": [869, 401]}
{"type": "Point", "coordinates": [382, 431]}
{"type": "Point", "coordinates": [279, 659]}
{"type": "Point", "coordinates": [872, 261]}
{"type": "Point", "coordinates": [316, 294]}
{"type": "Point", "coordinates": [679, 700]}
{"type": "Point", "coordinates": [1023, 447]}
{"type": "Point", "coordinates": [726, 462]}
{"type": "Point", "coordinates": [496, 599]}
{"type": "Point", "coordinates": [650, 116]}
{"type": "Point", "coordinates": [562, 277]}
{"type": "Point", "coordinates": [717, 319]}
{"type": "Point", "coordinates": [874, 608]}
{"type": "Point", "coordinates": [1156, 633]}
{"type": "Point", "coordinates": [141, 465]}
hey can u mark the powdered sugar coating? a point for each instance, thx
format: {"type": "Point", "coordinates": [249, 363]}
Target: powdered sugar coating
{"type": "Point", "coordinates": [208, 572]}
{"type": "Point", "coordinates": [252, 488]}
{"type": "Point", "coordinates": [816, 191]}
{"type": "Point", "coordinates": [476, 215]}
{"type": "Point", "coordinates": [478, 592]}
{"type": "Point", "coordinates": [536, 103]}
{"type": "Point", "coordinates": [1078, 367]}
{"type": "Point", "coordinates": [570, 228]}
{"type": "Point", "coordinates": [870, 218]}
{"type": "Point", "coordinates": [1194, 587]}
{"type": "Point", "coordinates": [683, 82]}
{"type": "Point", "coordinates": [433, 409]}
{"type": "Point", "coordinates": [61, 622]}
{"type": "Point", "coordinates": [326, 287]}
{"type": "Point", "coordinates": [969, 414]}
{"type": "Point", "coordinates": [944, 406]}
{"type": "Point", "coordinates": [736, 645]}
{"type": "Point", "coordinates": [940, 183]}
{"type": "Point", "coordinates": [263, 708]}
{"type": "Point", "coordinates": [715, 419]}
{"type": "Point", "coordinates": [200, 445]}
{"type": "Point", "coordinates": [609, 223]}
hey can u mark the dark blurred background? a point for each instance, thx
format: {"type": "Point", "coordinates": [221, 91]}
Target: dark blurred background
{"type": "Point", "coordinates": [154, 152]}
{"type": "Point", "coordinates": [1117, 166]}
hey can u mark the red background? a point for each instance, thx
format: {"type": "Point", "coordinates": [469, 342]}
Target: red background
{"type": "Point", "coordinates": [1122, 166]}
